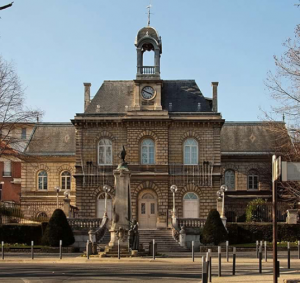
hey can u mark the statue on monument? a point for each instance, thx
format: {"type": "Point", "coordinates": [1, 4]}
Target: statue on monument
{"type": "Point", "coordinates": [122, 156]}
{"type": "Point", "coordinates": [133, 233]}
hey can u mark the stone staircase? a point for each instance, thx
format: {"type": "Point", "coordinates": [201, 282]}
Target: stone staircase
{"type": "Point", "coordinates": [104, 242]}
{"type": "Point", "coordinates": [163, 238]}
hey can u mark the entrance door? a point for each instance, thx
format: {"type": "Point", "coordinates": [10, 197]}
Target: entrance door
{"type": "Point", "coordinates": [101, 208]}
{"type": "Point", "coordinates": [147, 211]}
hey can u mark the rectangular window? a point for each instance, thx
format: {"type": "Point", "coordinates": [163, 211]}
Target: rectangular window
{"type": "Point", "coordinates": [108, 155]}
{"type": "Point", "coordinates": [101, 155]}
{"type": "Point", "coordinates": [7, 168]}
{"type": "Point", "coordinates": [194, 155]}
{"type": "Point", "coordinates": [0, 191]}
{"type": "Point", "coordinates": [40, 183]}
{"type": "Point", "coordinates": [143, 208]}
{"type": "Point", "coordinates": [69, 183]}
{"type": "Point", "coordinates": [23, 134]}
{"type": "Point", "coordinates": [255, 182]}
{"type": "Point", "coordinates": [152, 208]}
{"type": "Point", "coordinates": [187, 154]}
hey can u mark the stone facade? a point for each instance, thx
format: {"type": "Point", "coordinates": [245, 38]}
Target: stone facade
{"type": "Point", "coordinates": [44, 201]}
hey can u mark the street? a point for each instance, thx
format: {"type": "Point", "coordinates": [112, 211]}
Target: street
{"type": "Point", "coordinates": [73, 268]}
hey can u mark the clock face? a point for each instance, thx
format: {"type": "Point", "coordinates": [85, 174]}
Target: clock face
{"type": "Point", "coordinates": [148, 92]}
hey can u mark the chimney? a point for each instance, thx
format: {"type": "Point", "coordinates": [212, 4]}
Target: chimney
{"type": "Point", "coordinates": [87, 95]}
{"type": "Point", "coordinates": [215, 96]}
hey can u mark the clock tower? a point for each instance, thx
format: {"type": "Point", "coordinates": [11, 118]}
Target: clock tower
{"type": "Point", "coordinates": [147, 90]}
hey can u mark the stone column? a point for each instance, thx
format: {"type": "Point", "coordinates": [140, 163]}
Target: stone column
{"type": "Point", "coordinates": [121, 208]}
{"type": "Point", "coordinates": [157, 61]}
{"type": "Point", "coordinates": [67, 208]}
{"type": "Point", "coordinates": [139, 61]}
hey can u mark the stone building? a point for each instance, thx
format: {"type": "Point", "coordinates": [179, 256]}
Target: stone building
{"type": "Point", "coordinates": [173, 135]}
{"type": "Point", "coordinates": [49, 164]}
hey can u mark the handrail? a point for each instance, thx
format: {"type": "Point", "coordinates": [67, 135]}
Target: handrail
{"type": "Point", "coordinates": [101, 231]}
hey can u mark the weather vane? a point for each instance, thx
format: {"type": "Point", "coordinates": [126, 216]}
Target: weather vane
{"type": "Point", "coordinates": [149, 13]}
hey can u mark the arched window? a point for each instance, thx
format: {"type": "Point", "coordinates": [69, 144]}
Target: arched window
{"type": "Point", "coordinates": [105, 152]}
{"type": "Point", "coordinates": [42, 180]}
{"type": "Point", "coordinates": [65, 180]}
{"type": "Point", "coordinates": [190, 152]}
{"type": "Point", "coordinates": [253, 179]}
{"type": "Point", "coordinates": [147, 151]}
{"type": "Point", "coordinates": [230, 179]}
{"type": "Point", "coordinates": [190, 205]}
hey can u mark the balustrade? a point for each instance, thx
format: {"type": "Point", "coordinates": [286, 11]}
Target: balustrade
{"type": "Point", "coordinates": [84, 222]}
{"type": "Point", "coordinates": [147, 70]}
{"type": "Point", "coordinates": [190, 222]}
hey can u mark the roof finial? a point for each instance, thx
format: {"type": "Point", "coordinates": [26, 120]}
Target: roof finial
{"type": "Point", "coordinates": [149, 13]}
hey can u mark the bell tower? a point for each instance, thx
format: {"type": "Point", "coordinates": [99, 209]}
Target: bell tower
{"type": "Point", "coordinates": [148, 84]}
{"type": "Point", "coordinates": [148, 40]}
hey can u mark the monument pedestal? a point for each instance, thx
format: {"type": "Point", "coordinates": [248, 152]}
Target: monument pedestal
{"type": "Point", "coordinates": [121, 208]}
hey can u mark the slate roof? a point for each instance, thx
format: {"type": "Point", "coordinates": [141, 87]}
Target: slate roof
{"type": "Point", "coordinates": [113, 96]}
{"type": "Point", "coordinates": [52, 139]}
{"type": "Point", "coordinates": [247, 138]}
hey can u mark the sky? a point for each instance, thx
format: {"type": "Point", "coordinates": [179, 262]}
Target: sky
{"type": "Point", "coordinates": [57, 45]}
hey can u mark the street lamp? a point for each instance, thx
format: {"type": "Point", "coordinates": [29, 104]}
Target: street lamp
{"type": "Point", "coordinates": [106, 189]}
{"type": "Point", "coordinates": [58, 189]}
{"type": "Point", "coordinates": [221, 196]}
{"type": "Point", "coordinates": [173, 189]}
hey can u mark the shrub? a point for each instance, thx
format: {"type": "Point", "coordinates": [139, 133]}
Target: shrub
{"type": "Point", "coordinates": [252, 214]}
{"type": "Point", "coordinates": [214, 230]}
{"type": "Point", "coordinates": [58, 229]}
{"type": "Point", "coordinates": [20, 233]}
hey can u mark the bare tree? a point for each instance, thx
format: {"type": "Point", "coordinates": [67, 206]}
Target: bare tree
{"type": "Point", "coordinates": [13, 113]}
{"type": "Point", "coordinates": [284, 87]}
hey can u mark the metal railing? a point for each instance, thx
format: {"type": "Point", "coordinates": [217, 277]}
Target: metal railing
{"type": "Point", "coordinates": [190, 222]}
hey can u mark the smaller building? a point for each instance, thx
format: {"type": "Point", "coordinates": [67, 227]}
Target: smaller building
{"type": "Point", "coordinates": [48, 168]}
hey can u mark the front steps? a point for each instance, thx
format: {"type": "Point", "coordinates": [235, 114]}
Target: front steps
{"type": "Point", "coordinates": [163, 238]}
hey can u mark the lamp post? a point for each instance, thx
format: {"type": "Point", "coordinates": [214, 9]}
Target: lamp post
{"type": "Point", "coordinates": [221, 196]}
{"type": "Point", "coordinates": [57, 193]}
{"type": "Point", "coordinates": [106, 189]}
{"type": "Point", "coordinates": [173, 189]}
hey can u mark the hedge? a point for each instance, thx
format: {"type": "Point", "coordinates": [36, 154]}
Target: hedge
{"type": "Point", "coordinates": [20, 233]}
{"type": "Point", "coordinates": [250, 233]}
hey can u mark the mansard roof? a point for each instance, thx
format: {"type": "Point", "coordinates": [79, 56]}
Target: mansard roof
{"type": "Point", "coordinates": [52, 139]}
{"type": "Point", "coordinates": [250, 138]}
{"type": "Point", "coordinates": [184, 95]}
